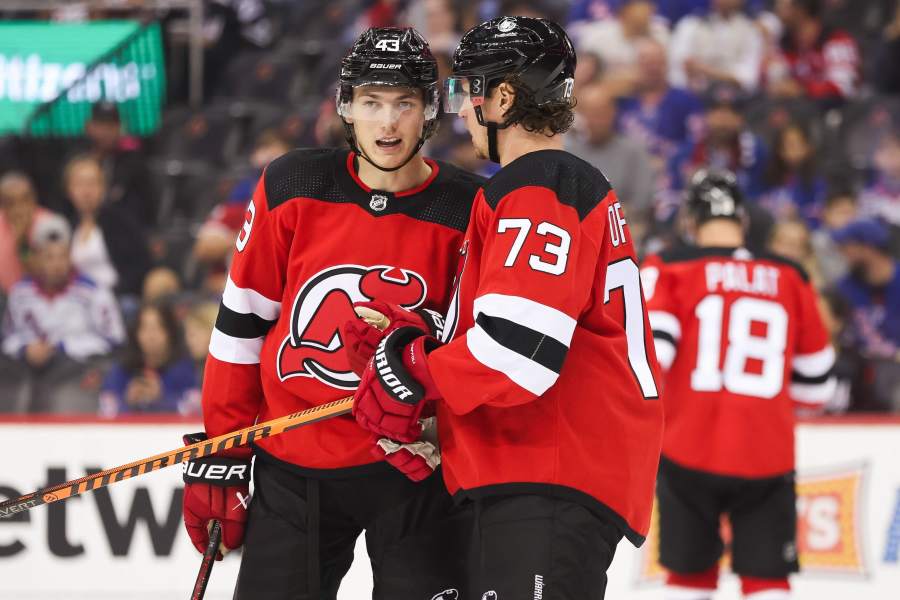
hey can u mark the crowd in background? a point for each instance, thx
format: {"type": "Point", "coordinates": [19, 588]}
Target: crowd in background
{"type": "Point", "coordinates": [115, 249]}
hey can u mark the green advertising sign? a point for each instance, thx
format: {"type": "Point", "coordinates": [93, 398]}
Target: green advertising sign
{"type": "Point", "coordinates": [51, 74]}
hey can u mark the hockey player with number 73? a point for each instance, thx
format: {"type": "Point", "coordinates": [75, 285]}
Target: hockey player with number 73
{"type": "Point", "coordinates": [545, 378]}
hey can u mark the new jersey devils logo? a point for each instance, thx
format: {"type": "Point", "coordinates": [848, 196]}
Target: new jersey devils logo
{"type": "Point", "coordinates": [324, 303]}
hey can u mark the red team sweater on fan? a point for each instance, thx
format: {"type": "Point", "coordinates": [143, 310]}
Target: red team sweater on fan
{"type": "Point", "coordinates": [549, 382]}
{"type": "Point", "coordinates": [315, 240]}
{"type": "Point", "coordinates": [743, 342]}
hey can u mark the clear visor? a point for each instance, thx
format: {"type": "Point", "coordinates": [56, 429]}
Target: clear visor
{"type": "Point", "coordinates": [387, 104]}
{"type": "Point", "coordinates": [456, 94]}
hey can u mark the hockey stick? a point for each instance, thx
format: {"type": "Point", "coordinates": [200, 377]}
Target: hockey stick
{"type": "Point", "coordinates": [209, 559]}
{"type": "Point", "coordinates": [226, 441]}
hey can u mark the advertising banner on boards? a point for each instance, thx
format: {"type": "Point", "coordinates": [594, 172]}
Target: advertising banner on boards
{"type": "Point", "coordinates": [127, 541]}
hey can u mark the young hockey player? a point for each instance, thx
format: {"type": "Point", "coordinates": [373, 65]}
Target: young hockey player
{"type": "Point", "coordinates": [742, 341]}
{"type": "Point", "coordinates": [545, 383]}
{"type": "Point", "coordinates": [327, 228]}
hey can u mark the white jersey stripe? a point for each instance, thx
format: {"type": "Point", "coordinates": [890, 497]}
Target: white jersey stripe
{"type": "Point", "coordinates": [246, 301]}
{"type": "Point", "coordinates": [240, 351]}
{"type": "Point", "coordinates": [533, 376]}
{"type": "Point", "coordinates": [665, 352]}
{"type": "Point", "coordinates": [522, 311]}
{"type": "Point", "coordinates": [815, 364]}
{"type": "Point", "coordinates": [814, 393]}
{"type": "Point", "coordinates": [665, 322]}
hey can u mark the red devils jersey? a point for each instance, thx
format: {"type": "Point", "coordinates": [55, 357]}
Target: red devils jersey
{"type": "Point", "coordinates": [742, 340]}
{"type": "Point", "coordinates": [315, 240]}
{"type": "Point", "coordinates": [550, 380]}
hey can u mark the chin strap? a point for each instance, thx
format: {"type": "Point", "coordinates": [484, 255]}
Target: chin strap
{"type": "Point", "coordinates": [492, 128]}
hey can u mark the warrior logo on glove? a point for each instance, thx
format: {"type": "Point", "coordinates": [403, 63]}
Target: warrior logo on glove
{"type": "Point", "coordinates": [324, 303]}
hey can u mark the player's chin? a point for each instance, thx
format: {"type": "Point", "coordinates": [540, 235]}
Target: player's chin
{"type": "Point", "coordinates": [391, 155]}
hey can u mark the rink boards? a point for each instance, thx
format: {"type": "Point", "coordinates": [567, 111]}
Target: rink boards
{"type": "Point", "coordinates": [127, 541]}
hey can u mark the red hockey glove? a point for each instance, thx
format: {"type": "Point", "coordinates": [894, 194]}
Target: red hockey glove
{"type": "Point", "coordinates": [361, 336]}
{"type": "Point", "coordinates": [215, 488]}
{"type": "Point", "coordinates": [417, 460]}
{"type": "Point", "coordinates": [396, 386]}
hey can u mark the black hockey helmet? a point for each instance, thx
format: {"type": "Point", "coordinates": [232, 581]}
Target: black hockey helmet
{"type": "Point", "coordinates": [396, 56]}
{"type": "Point", "coordinates": [715, 194]}
{"type": "Point", "coordinates": [536, 51]}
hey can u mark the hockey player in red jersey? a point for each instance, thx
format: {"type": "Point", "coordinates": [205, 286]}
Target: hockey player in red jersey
{"type": "Point", "coordinates": [742, 343]}
{"type": "Point", "coordinates": [545, 379]}
{"type": "Point", "coordinates": [326, 228]}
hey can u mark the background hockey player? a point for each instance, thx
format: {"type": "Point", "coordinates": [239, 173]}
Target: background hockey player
{"type": "Point", "coordinates": [326, 228]}
{"type": "Point", "coordinates": [742, 343]}
{"type": "Point", "coordinates": [546, 392]}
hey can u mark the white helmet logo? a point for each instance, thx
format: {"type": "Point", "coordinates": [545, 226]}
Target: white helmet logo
{"type": "Point", "coordinates": [378, 202]}
{"type": "Point", "coordinates": [506, 25]}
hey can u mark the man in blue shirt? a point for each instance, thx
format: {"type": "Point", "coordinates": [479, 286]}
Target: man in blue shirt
{"type": "Point", "coordinates": [872, 290]}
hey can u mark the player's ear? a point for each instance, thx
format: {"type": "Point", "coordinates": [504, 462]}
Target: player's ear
{"type": "Point", "coordinates": [506, 96]}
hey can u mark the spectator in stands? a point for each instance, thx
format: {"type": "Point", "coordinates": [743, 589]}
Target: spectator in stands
{"type": "Point", "coordinates": [721, 47]}
{"type": "Point", "coordinates": [659, 116]}
{"type": "Point", "coordinates": [198, 327]}
{"type": "Point", "coordinates": [872, 290]}
{"type": "Point", "coordinates": [886, 73]}
{"type": "Point", "coordinates": [215, 239]}
{"type": "Point", "coordinates": [19, 216]}
{"type": "Point", "coordinates": [794, 187]}
{"type": "Point", "coordinates": [624, 162]}
{"type": "Point", "coordinates": [615, 41]}
{"type": "Point", "coordinates": [881, 198]}
{"type": "Point", "coordinates": [108, 244]}
{"type": "Point", "coordinates": [792, 239]}
{"type": "Point", "coordinates": [727, 143]}
{"type": "Point", "coordinates": [124, 165]}
{"type": "Point", "coordinates": [161, 285]}
{"type": "Point", "coordinates": [437, 20]}
{"type": "Point", "coordinates": [817, 61]}
{"type": "Point", "coordinates": [58, 321]}
{"type": "Point", "coordinates": [840, 210]}
{"type": "Point", "coordinates": [155, 374]}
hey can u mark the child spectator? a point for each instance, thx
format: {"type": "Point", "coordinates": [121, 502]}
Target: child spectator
{"type": "Point", "coordinates": [57, 321]}
{"type": "Point", "coordinates": [794, 186]}
{"type": "Point", "coordinates": [155, 375]}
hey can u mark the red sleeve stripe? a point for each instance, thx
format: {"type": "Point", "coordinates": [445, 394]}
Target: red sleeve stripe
{"type": "Point", "coordinates": [247, 301]}
{"type": "Point", "coordinates": [815, 364]}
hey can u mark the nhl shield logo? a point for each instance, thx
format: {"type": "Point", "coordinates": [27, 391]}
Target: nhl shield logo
{"type": "Point", "coordinates": [506, 25]}
{"type": "Point", "coordinates": [378, 202]}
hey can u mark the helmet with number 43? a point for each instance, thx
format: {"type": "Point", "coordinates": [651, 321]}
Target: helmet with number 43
{"type": "Point", "coordinates": [391, 56]}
